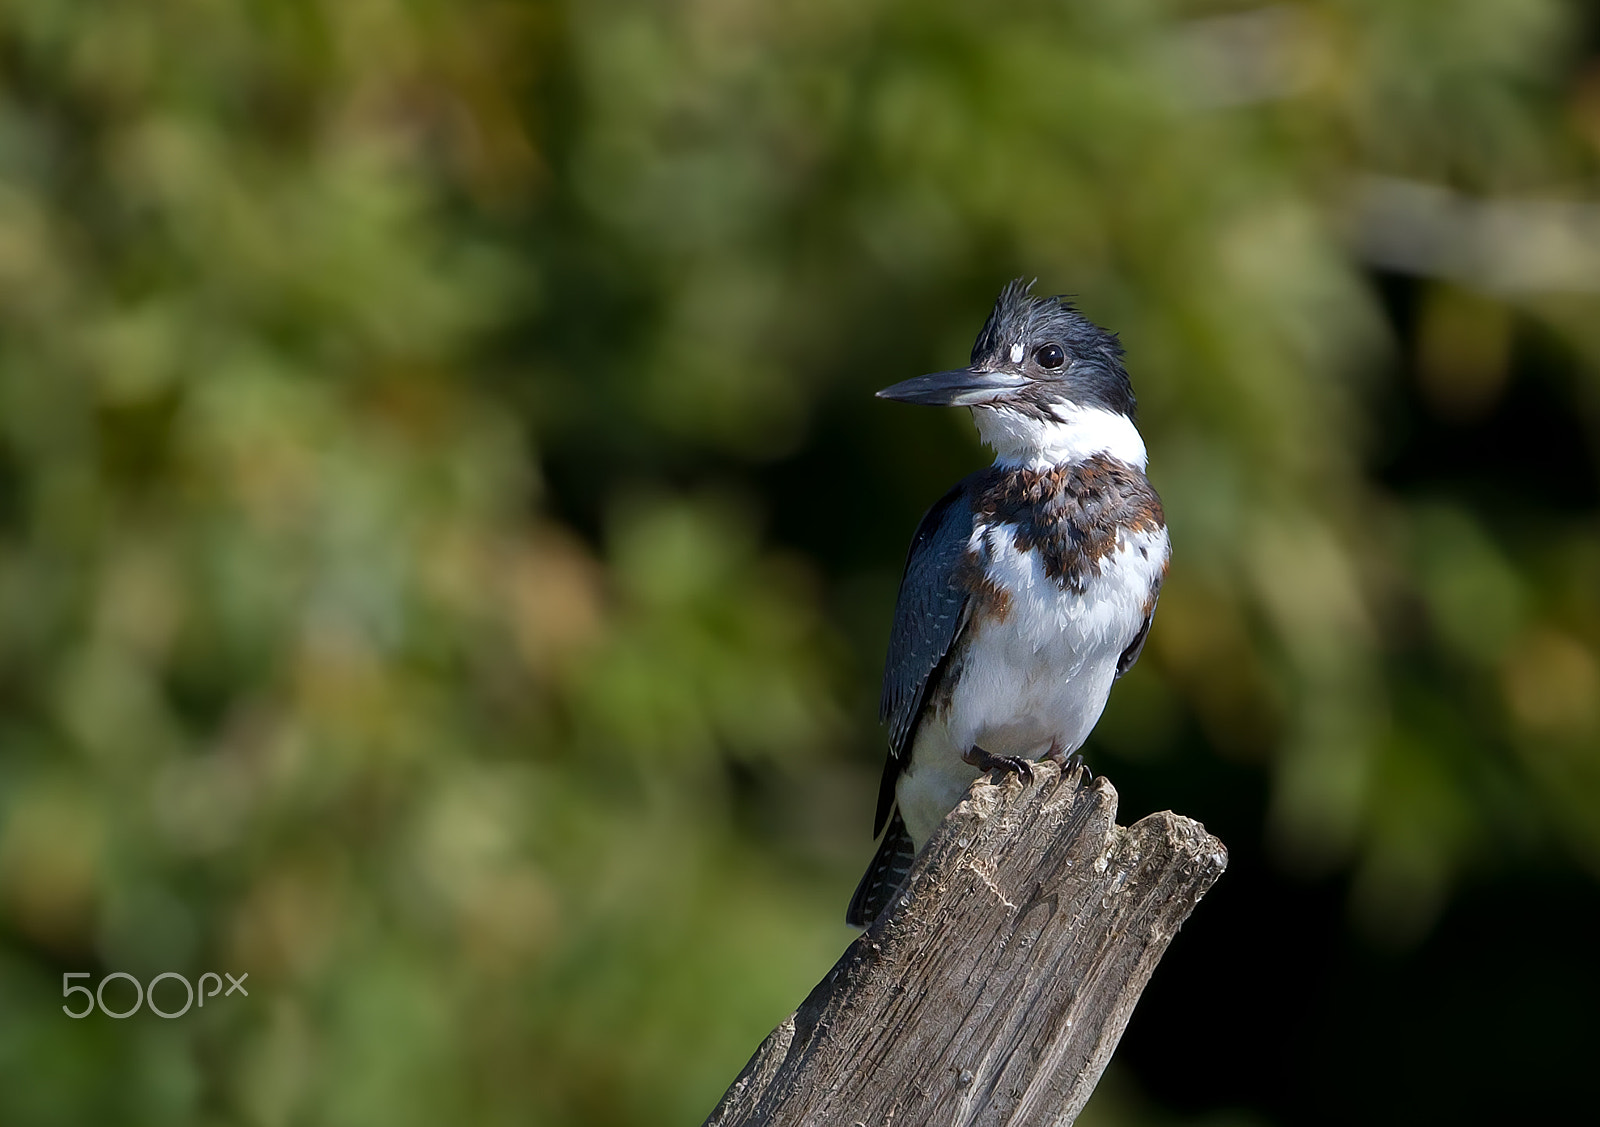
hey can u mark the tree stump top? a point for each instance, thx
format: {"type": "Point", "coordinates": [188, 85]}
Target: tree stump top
{"type": "Point", "coordinates": [995, 987]}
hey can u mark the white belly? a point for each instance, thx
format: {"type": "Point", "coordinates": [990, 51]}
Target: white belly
{"type": "Point", "coordinates": [1037, 677]}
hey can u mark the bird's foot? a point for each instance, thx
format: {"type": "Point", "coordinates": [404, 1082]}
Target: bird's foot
{"type": "Point", "coordinates": [1070, 763]}
{"type": "Point", "coordinates": [1011, 764]}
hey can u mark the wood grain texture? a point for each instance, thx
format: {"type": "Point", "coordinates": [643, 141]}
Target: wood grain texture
{"type": "Point", "coordinates": [997, 984]}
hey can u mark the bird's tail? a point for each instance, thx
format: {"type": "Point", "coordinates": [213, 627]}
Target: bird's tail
{"type": "Point", "coordinates": [883, 876]}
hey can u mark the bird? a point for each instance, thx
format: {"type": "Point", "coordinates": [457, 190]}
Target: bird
{"type": "Point", "coordinates": [1029, 587]}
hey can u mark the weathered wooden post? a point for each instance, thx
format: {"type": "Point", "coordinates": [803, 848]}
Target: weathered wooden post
{"type": "Point", "coordinates": [994, 990]}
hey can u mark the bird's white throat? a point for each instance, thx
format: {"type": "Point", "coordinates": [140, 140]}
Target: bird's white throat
{"type": "Point", "coordinates": [1071, 434]}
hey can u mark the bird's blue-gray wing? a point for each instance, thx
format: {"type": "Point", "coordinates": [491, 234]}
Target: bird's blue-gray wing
{"type": "Point", "coordinates": [928, 617]}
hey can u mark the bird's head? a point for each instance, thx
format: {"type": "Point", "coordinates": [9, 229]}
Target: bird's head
{"type": "Point", "coordinates": [1045, 385]}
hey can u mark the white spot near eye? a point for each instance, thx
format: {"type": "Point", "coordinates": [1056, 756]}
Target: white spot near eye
{"type": "Point", "coordinates": [1016, 353]}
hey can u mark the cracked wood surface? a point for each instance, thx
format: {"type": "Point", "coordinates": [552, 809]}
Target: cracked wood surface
{"type": "Point", "coordinates": [996, 986]}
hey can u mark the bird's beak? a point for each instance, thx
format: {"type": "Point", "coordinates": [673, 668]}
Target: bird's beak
{"type": "Point", "coordinates": [964, 387]}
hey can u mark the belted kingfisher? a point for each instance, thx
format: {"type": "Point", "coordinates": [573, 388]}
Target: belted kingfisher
{"type": "Point", "coordinates": [1029, 587]}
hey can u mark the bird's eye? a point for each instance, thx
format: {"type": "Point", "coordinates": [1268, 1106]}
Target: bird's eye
{"type": "Point", "coordinates": [1050, 356]}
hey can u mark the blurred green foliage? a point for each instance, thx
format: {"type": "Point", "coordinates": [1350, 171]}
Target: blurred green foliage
{"type": "Point", "coordinates": [395, 601]}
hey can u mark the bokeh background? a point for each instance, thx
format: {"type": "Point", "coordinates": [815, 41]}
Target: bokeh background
{"type": "Point", "coordinates": [447, 540]}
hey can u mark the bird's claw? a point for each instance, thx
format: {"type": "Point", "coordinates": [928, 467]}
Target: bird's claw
{"type": "Point", "coordinates": [1011, 764]}
{"type": "Point", "coordinates": [1071, 763]}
